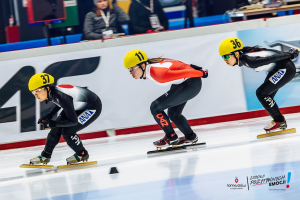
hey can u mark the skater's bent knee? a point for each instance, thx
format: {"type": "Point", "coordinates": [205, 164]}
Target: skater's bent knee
{"type": "Point", "coordinates": [154, 108]}
{"type": "Point", "coordinates": [261, 93]}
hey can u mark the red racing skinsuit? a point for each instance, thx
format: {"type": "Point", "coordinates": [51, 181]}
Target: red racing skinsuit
{"type": "Point", "coordinates": [186, 84]}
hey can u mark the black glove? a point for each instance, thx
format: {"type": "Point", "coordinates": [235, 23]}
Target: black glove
{"type": "Point", "coordinates": [196, 67]}
{"type": "Point", "coordinates": [46, 117]}
{"type": "Point", "coordinates": [205, 73]}
{"type": "Point", "coordinates": [47, 124]}
{"type": "Point", "coordinates": [294, 53]}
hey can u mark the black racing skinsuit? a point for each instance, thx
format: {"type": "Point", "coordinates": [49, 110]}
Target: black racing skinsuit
{"type": "Point", "coordinates": [175, 100]}
{"type": "Point", "coordinates": [74, 101]}
{"type": "Point", "coordinates": [280, 74]}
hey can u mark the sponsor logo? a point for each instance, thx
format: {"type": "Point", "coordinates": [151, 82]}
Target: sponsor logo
{"type": "Point", "coordinates": [85, 116]}
{"type": "Point", "coordinates": [273, 182]}
{"type": "Point", "coordinates": [277, 76]}
{"type": "Point", "coordinates": [166, 94]}
{"type": "Point", "coordinates": [236, 185]}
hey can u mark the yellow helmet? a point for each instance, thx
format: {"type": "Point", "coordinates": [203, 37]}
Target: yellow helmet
{"type": "Point", "coordinates": [134, 57]}
{"type": "Point", "coordinates": [230, 45]}
{"type": "Point", "coordinates": [40, 80]}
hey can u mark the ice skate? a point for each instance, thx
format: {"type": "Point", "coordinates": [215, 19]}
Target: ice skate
{"type": "Point", "coordinates": [178, 145]}
{"type": "Point", "coordinates": [38, 162]}
{"type": "Point", "coordinates": [76, 160]}
{"type": "Point", "coordinates": [183, 141]}
{"type": "Point", "coordinates": [165, 142]}
{"type": "Point", "coordinates": [276, 128]}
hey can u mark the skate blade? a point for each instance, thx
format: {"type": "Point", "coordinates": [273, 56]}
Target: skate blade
{"type": "Point", "coordinates": [173, 149]}
{"type": "Point", "coordinates": [177, 148]}
{"type": "Point", "coordinates": [77, 165]}
{"type": "Point", "coordinates": [196, 145]}
{"type": "Point", "coordinates": [292, 130]}
{"type": "Point", "coordinates": [37, 166]}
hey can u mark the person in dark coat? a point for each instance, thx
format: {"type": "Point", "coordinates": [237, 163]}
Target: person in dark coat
{"type": "Point", "coordinates": [140, 12]}
{"type": "Point", "coordinates": [104, 21]}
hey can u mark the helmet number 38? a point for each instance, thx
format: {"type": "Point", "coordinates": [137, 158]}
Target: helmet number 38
{"type": "Point", "coordinates": [140, 56]}
{"type": "Point", "coordinates": [45, 78]}
{"type": "Point", "coordinates": [235, 43]}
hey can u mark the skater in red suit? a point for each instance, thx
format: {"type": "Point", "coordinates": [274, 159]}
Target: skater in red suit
{"type": "Point", "coordinates": [185, 84]}
{"type": "Point", "coordinates": [279, 66]}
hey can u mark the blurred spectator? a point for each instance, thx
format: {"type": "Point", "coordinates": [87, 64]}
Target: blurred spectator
{"type": "Point", "coordinates": [103, 22]}
{"type": "Point", "coordinates": [147, 16]}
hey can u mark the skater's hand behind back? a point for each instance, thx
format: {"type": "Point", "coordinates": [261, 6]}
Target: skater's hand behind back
{"type": "Point", "coordinates": [294, 53]}
{"type": "Point", "coordinates": [205, 73]}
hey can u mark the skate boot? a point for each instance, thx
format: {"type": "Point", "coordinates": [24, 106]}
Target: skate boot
{"type": "Point", "coordinates": [275, 126]}
{"type": "Point", "coordinates": [75, 159]}
{"type": "Point", "coordinates": [166, 142]}
{"type": "Point", "coordinates": [184, 141]}
{"type": "Point", "coordinates": [39, 160]}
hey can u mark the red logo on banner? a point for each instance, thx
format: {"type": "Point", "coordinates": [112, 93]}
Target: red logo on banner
{"type": "Point", "coordinates": [236, 180]}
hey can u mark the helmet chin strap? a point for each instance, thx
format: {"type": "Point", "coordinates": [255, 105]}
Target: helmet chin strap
{"type": "Point", "coordinates": [48, 94]}
{"type": "Point", "coordinates": [140, 66]}
{"type": "Point", "coordinates": [237, 59]}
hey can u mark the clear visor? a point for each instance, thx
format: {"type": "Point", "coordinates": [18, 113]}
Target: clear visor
{"type": "Point", "coordinates": [34, 92]}
{"type": "Point", "coordinates": [132, 69]}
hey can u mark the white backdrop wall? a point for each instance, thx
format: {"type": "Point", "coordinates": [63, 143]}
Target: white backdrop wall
{"type": "Point", "coordinates": [126, 101]}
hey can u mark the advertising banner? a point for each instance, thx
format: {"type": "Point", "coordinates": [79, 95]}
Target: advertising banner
{"type": "Point", "coordinates": [126, 101]}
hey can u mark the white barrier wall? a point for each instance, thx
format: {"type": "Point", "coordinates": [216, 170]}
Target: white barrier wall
{"type": "Point", "coordinates": [126, 101]}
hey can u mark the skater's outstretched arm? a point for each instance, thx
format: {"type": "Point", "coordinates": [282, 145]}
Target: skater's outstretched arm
{"type": "Point", "coordinates": [258, 61]}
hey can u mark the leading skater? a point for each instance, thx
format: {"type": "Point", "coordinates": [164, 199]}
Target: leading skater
{"type": "Point", "coordinates": [279, 66]}
{"type": "Point", "coordinates": [185, 84]}
{"type": "Point", "coordinates": [80, 107]}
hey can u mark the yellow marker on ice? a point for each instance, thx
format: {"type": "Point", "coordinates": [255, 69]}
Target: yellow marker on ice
{"type": "Point", "coordinates": [292, 130]}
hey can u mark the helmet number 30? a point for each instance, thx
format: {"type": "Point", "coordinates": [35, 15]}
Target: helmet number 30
{"type": "Point", "coordinates": [45, 80]}
{"type": "Point", "coordinates": [140, 56]}
{"type": "Point", "coordinates": [235, 43]}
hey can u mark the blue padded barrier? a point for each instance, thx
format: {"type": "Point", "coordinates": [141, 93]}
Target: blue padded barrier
{"type": "Point", "coordinates": [39, 43]}
{"type": "Point", "coordinates": [200, 21]}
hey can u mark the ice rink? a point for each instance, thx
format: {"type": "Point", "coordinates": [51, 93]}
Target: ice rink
{"type": "Point", "coordinates": [233, 165]}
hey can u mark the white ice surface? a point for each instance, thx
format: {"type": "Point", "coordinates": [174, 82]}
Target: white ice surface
{"type": "Point", "coordinates": [232, 150]}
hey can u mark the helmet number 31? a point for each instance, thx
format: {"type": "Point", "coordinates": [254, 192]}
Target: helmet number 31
{"type": "Point", "coordinates": [235, 43]}
{"type": "Point", "coordinates": [140, 56]}
{"type": "Point", "coordinates": [45, 80]}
